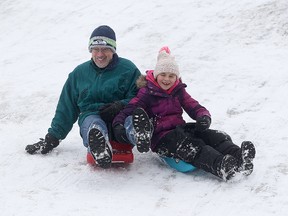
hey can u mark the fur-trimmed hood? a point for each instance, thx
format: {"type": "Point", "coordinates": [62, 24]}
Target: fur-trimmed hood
{"type": "Point", "coordinates": [141, 81]}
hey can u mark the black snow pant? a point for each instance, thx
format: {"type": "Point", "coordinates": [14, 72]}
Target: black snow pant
{"type": "Point", "coordinates": [204, 150]}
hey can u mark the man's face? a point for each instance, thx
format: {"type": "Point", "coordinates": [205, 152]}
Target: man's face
{"type": "Point", "coordinates": [102, 56]}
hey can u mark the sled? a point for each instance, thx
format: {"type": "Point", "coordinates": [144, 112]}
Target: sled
{"type": "Point", "coordinates": [122, 154]}
{"type": "Point", "coordinates": [178, 165]}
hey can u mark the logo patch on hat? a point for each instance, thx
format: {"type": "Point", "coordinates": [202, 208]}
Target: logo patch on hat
{"type": "Point", "coordinates": [98, 42]}
{"type": "Point", "coordinates": [102, 41]}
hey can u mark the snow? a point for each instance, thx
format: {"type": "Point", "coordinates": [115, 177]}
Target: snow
{"type": "Point", "coordinates": [233, 56]}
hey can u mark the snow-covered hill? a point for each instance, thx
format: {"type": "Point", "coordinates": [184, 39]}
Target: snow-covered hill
{"type": "Point", "coordinates": [233, 56]}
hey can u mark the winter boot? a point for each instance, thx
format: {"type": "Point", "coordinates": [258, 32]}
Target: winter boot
{"type": "Point", "coordinates": [248, 153]}
{"type": "Point", "coordinates": [143, 130]}
{"type": "Point", "coordinates": [227, 169]}
{"type": "Point", "coordinates": [212, 161]}
{"type": "Point", "coordinates": [100, 149]}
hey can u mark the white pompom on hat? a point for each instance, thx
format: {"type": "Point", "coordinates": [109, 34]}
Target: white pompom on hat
{"type": "Point", "coordinates": [166, 63]}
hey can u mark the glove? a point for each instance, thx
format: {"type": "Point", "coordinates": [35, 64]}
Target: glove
{"type": "Point", "coordinates": [203, 123]}
{"type": "Point", "coordinates": [110, 110]}
{"type": "Point", "coordinates": [120, 133]}
{"type": "Point", "coordinates": [44, 145]}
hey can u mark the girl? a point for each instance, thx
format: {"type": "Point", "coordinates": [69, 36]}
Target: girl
{"type": "Point", "coordinates": [162, 98]}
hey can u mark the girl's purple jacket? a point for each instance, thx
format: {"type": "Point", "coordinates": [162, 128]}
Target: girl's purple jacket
{"type": "Point", "coordinates": [163, 108]}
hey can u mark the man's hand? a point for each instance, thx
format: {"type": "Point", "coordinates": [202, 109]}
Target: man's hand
{"type": "Point", "coordinates": [43, 146]}
{"type": "Point", "coordinates": [110, 110]}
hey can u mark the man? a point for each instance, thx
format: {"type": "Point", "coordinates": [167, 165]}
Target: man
{"type": "Point", "coordinates": [94, 93]}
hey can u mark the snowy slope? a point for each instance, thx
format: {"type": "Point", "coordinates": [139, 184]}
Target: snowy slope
{"type": "Point", "coordinates": [233, 56]}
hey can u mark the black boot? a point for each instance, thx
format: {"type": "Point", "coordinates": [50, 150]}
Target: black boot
{"type": "Point", "coordinates": [248, 153]}
{"type": "Point", "coordinates": [214, 162]}
{"type": "Point", "coordinates": [143, 129]}
{"type": "Point", "coordinates": [100, 149]}
{"type": "Point", "coordinates": [227, 169]}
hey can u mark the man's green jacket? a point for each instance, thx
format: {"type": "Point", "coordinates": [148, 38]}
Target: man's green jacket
{"type": "Point", "coordinates": [88, 88]}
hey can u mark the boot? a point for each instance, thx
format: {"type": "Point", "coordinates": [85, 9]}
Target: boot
{"type": "Point", "coordinates": [227, 169]}
{"type": "Point", "coordinates": [143, 130]}
{"type": "Point", "coordinates": [215, 163]}
{"type": "Point", "coordinates": [100, 149]}
{"type": "Point", "coordinates": [248, 153]}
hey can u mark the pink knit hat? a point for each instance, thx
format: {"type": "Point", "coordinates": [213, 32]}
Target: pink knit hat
{"type": "Point", "coordinates": [166, 63]}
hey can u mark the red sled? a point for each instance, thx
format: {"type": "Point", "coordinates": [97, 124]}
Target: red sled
{"type": "Point", "coordinates": [122, 153]}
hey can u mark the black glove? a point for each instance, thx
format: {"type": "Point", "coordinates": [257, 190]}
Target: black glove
{"type": "Point", "coordinates": [203, 123]}
{"type": "Point", "coordinates": [120, 134]}
{"type": "Point", "coordinates": [44, 145]}
{"type": "Point", "coordinates": [110, 110]}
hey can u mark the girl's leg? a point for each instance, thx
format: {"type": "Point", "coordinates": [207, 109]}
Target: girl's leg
{"type": "Point", "coordinates": [130, 130]}
{"type": "Point", "coordinates": [179, 145]}
{"type": "Point", "coordinates": [139, 130]}
{"type": "Point", "coordinates": [221, 142]}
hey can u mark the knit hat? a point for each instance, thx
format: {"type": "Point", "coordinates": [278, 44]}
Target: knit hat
{"type": "Point", "coordinates": [103, 36]}
{"type": "Point", "coordinates": [166, 63]}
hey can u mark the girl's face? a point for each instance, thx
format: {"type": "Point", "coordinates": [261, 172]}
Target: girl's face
{"type": "Point", "coordinates": [166, 80]}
